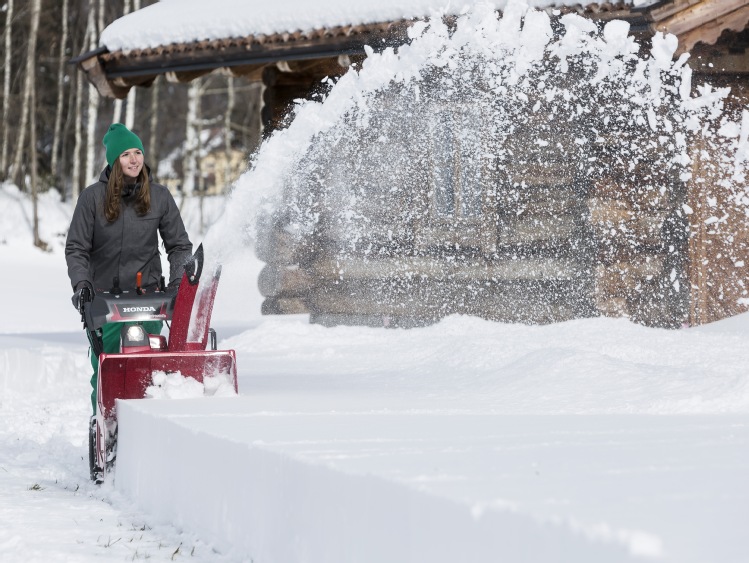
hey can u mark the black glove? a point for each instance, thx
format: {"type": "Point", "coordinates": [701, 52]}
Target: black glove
{"type": "Point", "coordinates": [173, 287]}
{"type": "Point", "coordinates": [83, 294]}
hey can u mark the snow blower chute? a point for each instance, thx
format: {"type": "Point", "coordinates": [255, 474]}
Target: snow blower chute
{"type": "Point", "coordinates": [128, 374]}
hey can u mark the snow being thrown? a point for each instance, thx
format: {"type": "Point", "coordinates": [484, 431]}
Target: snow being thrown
{"type": "Point", "coordinates": [400, 170]}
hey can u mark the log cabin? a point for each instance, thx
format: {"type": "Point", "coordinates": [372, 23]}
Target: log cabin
{"type": "Point", "coordinates": [509, 259]}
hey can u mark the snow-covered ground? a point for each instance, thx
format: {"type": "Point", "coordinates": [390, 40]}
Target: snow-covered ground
{"type": "Point", "coordinates": [588, 441]}
{"type": "Point", "coordinates": [592, 440]}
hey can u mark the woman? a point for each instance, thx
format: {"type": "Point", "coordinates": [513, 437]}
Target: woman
{"type": "Point", "coordinates": [114, 233]}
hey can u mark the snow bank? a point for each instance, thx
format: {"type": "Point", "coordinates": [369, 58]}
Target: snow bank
{"type": "Point", "coordinates": [465, 364]}
{"type": "Point", "coordinates": [18, 218]}
{"type": "Point", "coordinates": [466, 440]}
{"type": "Point", "coordinates": [283, 479]}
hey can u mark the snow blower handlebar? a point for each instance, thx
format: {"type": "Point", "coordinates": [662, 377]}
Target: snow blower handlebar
{"type": "Point", "coordinates": [122, 305]}
{"type": "Point", "coordinates": [128, 307]}
{"type": "Point", "coordinates": [194, 267]}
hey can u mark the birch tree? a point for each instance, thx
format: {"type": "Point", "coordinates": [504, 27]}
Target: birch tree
{"type": "Point", "coordinates": [78, 126]}
{"type": "Point", "coordinates": [30, 87]}
{"type": "Point", "coordinates": [192, 136]}
{"type": "Point", "coordinates": [228, 135]}
{"type": "Point", "coordinates": [154, 125]}
{"type": "Point", "coordinates": [130, 106]}
{"type": "Point", "coordinates": [93, 98]}
{"type": "Point", "coordinates": [117, 116]}
{"type": "Point", "coordinates": [60, 92]}
{"type": "Point", "coordinates": [38, 242]}
{"type": "Point", "coordinates": [130, 109]}
{"type": "Point", "coordinates": [20, 140]}
{"type": "Point", "coordinates": [6, 87]}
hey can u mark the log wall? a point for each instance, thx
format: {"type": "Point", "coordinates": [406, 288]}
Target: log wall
{"type": "Point", "coordinates": [637, 251]}
{"type": "Point", "coordinates": [719, 227]}
{"type": "Point", "coordinates": [548, 247]}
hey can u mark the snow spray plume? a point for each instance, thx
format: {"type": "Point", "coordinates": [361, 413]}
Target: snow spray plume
{"type": "Point", "coordinates": [474, 126]}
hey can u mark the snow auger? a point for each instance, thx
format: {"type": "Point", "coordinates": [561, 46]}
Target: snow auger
{"type": "Point", "coordinates": [128, 374]}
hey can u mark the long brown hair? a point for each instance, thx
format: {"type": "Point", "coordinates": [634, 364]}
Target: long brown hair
{"type": "Point", "coordinates": [114, 191]}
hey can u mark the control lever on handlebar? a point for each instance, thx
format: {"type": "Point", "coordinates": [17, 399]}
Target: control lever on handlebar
{"type": "Point", "coordinates": [139, 283]}
{"type": "Point", "coordinates": [115, 286]}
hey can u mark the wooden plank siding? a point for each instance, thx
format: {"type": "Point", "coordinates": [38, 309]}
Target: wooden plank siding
{"type": "Point", "coordinates": [719, 262]}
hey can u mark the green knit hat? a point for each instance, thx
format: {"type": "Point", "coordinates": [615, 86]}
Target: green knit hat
{"type": "Point", "coordinates": [118, 139]}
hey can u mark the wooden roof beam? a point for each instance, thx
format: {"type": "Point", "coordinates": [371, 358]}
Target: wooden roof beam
{"type": "Point", "coordinates": [711, 32]}
{"type": "Point", "coordinates": [659, 13]}
{"type": "Point", "coordinates": [95, 74]}
{"type": "Point", "coordinates": [698, 14]}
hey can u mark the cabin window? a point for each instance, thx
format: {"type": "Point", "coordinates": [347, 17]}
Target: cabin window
{"type": "Point", "coordinates": [456, 162]}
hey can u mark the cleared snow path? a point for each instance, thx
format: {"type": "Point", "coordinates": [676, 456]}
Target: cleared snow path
{"type": "Point", "coordinates": [48, 518]}
{"type": "Point", "coordinates": [49, 510]}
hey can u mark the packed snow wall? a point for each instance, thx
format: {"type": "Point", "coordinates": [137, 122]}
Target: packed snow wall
{"type": "Point", "coordinates": [525, 168]}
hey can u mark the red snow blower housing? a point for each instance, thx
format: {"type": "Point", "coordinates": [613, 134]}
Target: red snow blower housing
{"type": "Point", "coordinates": [127, 374]}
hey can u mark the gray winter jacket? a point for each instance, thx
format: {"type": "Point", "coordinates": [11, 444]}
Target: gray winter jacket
{"type": "Point", "coordinates": [96, 250]}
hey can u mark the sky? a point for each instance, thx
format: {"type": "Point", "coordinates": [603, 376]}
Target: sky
{"type": "Point", "coordinates": [467, 440]}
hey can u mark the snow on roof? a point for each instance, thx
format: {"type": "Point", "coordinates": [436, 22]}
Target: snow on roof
{"type": "Point", "coordinates": [187, 21]}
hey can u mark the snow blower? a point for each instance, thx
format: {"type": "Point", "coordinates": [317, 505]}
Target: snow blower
{"type": "Point", "coordinates": [129, 373]}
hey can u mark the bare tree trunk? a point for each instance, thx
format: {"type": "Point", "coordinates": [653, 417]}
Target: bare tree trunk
{"type": "Point", "coordinates": [38, 242]}
{"type": "Point", "coordinates": [130, 109]}
{"type": "Point", "coordinates": [228, 135]}
{"type": "Point", "coordinates": [66, 150]}
{"type": "Point", "coordinates": [117, 114]}
{"type": "Point", "coordinates": [17, 174]}
{"type": "Point", "coordinates": [118, 103]}
{"type": "Point", "coordinates": [153, 151]}
{"type": "Point", "coordinates": [93, 100]}
{"type": "Point", "coordinates": [93, 115]}
{"type": "Point", "coordinates": [36, 9]}
{"type": "Point", "coordinates": [76, 179]}
{"type": "Point", "coordinates": [192, 137]}
{"type": "Point", "coordinates": [6, 88]}
{"type": "Point", "coordinates": [60, 95]}
{"type": "Point", "coordinates": [201, 198]}
{"type": "Point", "coordinates": [252, 127]}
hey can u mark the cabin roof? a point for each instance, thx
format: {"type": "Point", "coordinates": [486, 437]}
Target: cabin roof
{"type": "Point", "coordinates": [193, 21]}
{"type": "Point", "coordinates": [188, 38]}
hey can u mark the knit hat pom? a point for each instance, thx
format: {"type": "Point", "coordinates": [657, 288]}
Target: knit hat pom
{"type": "Point", "coordinates": [118, 139]}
